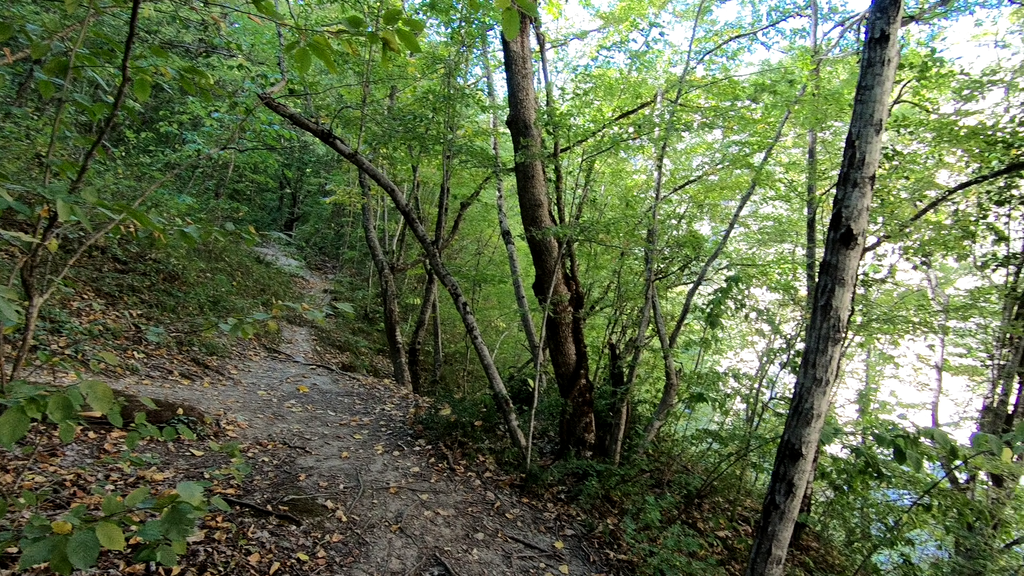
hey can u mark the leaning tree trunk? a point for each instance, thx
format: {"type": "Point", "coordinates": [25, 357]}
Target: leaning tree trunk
{"type": "Point", "coordinates": [388, 291]}
{"type": "Point", "coordinates": [334, 142]}
{"type": "Point", "coordinates": [833, 295]}
{"type": "Point", "coordinates": [564, 332]}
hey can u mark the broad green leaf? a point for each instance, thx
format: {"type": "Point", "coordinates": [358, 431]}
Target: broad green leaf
{"type": "Point", "coordinates": [39, 50]}
{"type": "Point", "coordinates": [83, 549]}
{"type": "Point", "coordinates": [510, 23]}
{"type": "Point", "coordinates": [190, 492]}
{"type": "Point", "coordinates": [147, 402]}
{"type": "Point", "coordinates": [63, 210]}
{"type": "Point", "coordinates": [303, 59]}
{"type": "Point", "coordinates": [389, 40]}
{"type": "Point", "coordinates": [36, 553]}
{"type": "Point", "coordinates": [6, 31]}
{"type": "Point", "coordinates": [110, 536]}
{"type": "Point", "coordinates": [408, 39]}
{"type": "Point", "coordinates": [66, 432]}
{"type": "Point", "coordinates": [109, 358]}
{"type": "Point", "coordinates": [112, 505]}
{"type": "Point", "coordinates": [98, 394]}
{"type": "Point", "coordinates": [14, 424]}
{"type": "Point", "coordinates": [71, 5]}
{"type": "Point", "coordinates": [529, 7]}
{"type": "Point", "coordinates": [323, 54]}
{"type": "Point", "coordinates": [142, 87]}
{"type": "Point", "coordinates": [391, 16]}
{"type": "Point", "coordinates": [166, 555]}
{"type": "Point", "coordinates": [354, 22]}
{"type": "Point", "coordinates": [178, 521]}
{"type": "Point", "coordinates": [136, 497]}
{"type": "Point", "coordinates": [220, 503]}
{"type": "Point", "coordinates": [414, 24]}
{"type": "Point", "coordinates": [502, 4]}
{"type": "Point", "coordinates": [60, 408]}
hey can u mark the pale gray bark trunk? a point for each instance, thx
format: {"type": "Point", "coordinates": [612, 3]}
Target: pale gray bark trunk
{"type": "Point", "coordinates": [504, 404]}
{"type": "Point", "coordinates": [833, 294]}
{"type": "Point", "coordinates": [388, 292]}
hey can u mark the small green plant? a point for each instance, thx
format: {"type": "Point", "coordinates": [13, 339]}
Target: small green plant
{"type": "Point", "coordinates": [159, 523]}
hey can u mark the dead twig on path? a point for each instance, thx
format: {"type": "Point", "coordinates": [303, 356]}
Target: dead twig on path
{"type": "Point", "coordinates": [526, 542]}
{"type": "Point", "coordinates": [359, 494]}
{"type": "Point", "coordinates": [447, 566]}
{"type": "Point", "coordinates": [258, 508]}
{"type": "Point", "coordinates": [297, 360]}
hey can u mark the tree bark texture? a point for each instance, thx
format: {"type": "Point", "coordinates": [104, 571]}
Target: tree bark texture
{"type": "Point", "coordinates": [833, 294]}
{"type": "Point", "coordinates": [388, 291]}
{"type": "Point", "coordinates": [564, 332]}
{"type": "Point", "coordinates": [334, 142]}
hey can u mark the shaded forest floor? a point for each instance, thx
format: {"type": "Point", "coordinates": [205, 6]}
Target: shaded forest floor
{"type": "Point", "coordinates": [339, 483]}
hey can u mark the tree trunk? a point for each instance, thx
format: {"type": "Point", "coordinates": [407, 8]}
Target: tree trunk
{"type": "Point", "coordinates": [388, 292]}
{"type": "Point", "coordinates": [565, 336]}
{"type": "Point", "coordinates": [833, 294]}
{"type": "Point", "coordinates": [504, 404]}
{"type": "Point", "coordinates": [419, 332]}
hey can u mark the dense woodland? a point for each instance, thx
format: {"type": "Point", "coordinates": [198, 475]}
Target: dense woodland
{"type": "Point", "coordinates": [669, 249]}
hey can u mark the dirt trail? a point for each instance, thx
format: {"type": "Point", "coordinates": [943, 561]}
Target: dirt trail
{"type": "Point", "coordinates": [401, 506]}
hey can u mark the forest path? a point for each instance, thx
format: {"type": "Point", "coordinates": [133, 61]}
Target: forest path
{"type": "Point", "coordinates": [391, 503]}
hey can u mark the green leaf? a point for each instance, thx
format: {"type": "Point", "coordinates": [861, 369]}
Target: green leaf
{"type": "Point", "coordinates": [178, 521]}
{"type": "Point", "coordinates": [220, 503]}
{"type": "Point", "coordinates": [408, 39]}
{"type": "Point", "coordinates": [389, 40]}
{"type": "Point", "coordinates": [147, 402]}
{"type": "Point", "coordinates": [414, 24]}
{"type": "Point", "coordinates": [169, 433]}
{"type": "Point", "coordinates": [112, 505]}
{"type": "Point", "coordinates": [136, 497]}
{"type": "Point", "coordinates": [83, 549]}
{"type": "Point", "coordinates": [303, 59]}
{"type": "Point", "coordinates": [60, 408]}
{"type": "Point", "coordinates": [98, 394]}
{"type": "Point", "coordinates": [131, 441]}
{"type": "Point", "coordinates": [529, 7]}
{"type": "Point", "coordinates": [71, 5]}
{"type": "Point", "coordinates": [66, 432]}
{"type": "Point", "coordinates": [191, 492]}
{"type": "Point", "coordinates": [63, 210]}
{"type": "Point", "coordinates": [109, 358]}
{"type": "Point", "coordinates": [354, 22]}
{"type": "Point", "coordinates": [510, 23]}
{"type": "Point", "coordinates": [39, 50]}
{"type": "Point", "coordinates": [142, 87]}
{"type": "Point", "coordinates": [166, 555]}
{"type": "Point", "coordinates": [324, 54]}
{"type": "Point", "coordinates": [14, 425]}
{"type": "Point", "coordinates": [110, 536]}
{"type": "Point", "coordinates": [502, 4]}
{"type": "Point", "coordinates": [6, 31]}
{"type": "Point", "coordinates": [392, 16]}
{"type": "Point", "coordinates": [36, 553]}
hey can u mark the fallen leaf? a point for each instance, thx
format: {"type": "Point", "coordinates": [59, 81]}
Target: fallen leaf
{"type": "Point", "coordinates": [196, 452]}
{"type": "Point", "coordinates": [344, 454]}
{"type": "Point", "coordinates": [273, 568]}
{"type": "Point", "coordinates": [302, 557]}
{"type": "Point", "coordinates": [61, 527]}
{"type": "Point", "coordinates": [303, 389]}
{"type": "Point", "coordinates": [254, 558]}
{"type": "Point", "coordinates": [357, 436]}
{"type": "Point", "coordinates": [564, 569]}
{"type": "Point", "coordinates": [559, 544]}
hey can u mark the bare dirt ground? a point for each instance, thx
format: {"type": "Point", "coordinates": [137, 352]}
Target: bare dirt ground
{"type": "Point", "coordinates": [350, 489]}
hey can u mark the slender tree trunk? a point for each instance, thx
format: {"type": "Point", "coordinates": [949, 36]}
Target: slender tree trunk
{"type": "Point", "coordinates": [419, 331]}
{"type": "Point", "coordinates": [565, 325]}
{"type": "Point", "coordinates": [388, 291]}
{"type": "Point", "coordinates": [833, 294]}
{"type": "Point", "coordinates": [811, 250]}
{"type": "Point", "coordinates": [444, 276]}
